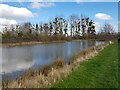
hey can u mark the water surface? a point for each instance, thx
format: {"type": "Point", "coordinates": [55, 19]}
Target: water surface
{"type": "Point", "coordinates": [19, 58]}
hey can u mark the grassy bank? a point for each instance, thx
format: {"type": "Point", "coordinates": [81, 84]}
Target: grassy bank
{"type": "Point", "coordinates": [98, 72]}
{"type": "Point", "coordinates": [51, 74]}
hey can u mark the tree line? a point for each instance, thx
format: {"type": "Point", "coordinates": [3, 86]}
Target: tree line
{"type": "Point", "coordinates": [57, 29]}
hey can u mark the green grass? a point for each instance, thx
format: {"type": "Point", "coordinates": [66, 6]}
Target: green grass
{"type": "Point", "coordinates": [99, 72]}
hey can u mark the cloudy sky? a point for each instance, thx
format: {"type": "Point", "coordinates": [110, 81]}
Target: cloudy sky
{"type": "Point", "coordinates": [37, 12]}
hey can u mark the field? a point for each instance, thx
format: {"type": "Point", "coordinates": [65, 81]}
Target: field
{"type": "Point", "coordinates": [98, 72]}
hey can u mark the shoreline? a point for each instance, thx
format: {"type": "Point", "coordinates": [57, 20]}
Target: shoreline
{"type": "Point", "coordinates": [28, 43]}
{"type": "Point", "coordinates": [55, 74]}
{"type": "Point", "coordinates": [39, 42]}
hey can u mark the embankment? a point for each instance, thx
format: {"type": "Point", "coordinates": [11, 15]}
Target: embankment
{"type": "Point", "coordinates": [53, 73]}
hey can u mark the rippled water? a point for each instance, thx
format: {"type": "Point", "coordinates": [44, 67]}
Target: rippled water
{"type": "Point", "coordinates": [17, 59]}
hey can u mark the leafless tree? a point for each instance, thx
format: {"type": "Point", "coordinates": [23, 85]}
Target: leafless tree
{"type": "Point", "coordinates": [107, 28]}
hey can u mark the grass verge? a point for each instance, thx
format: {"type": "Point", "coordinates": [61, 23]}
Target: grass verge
{"type": "Point", "coordinates": [98, 72]}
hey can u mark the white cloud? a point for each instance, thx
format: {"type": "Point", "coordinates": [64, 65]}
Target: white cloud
{"type": "Point", "coordinates": [95, 0]}
{"type": "Point", "coordinates": [10, 12]}
{"type": "Point", "coordinates": [97, 26]}
{"type": "Point", "coordinates": [42, 0]}
{"type": "Point", "coordinates": [104, 0]}
{"type": "Point", "coordinates": [61, 0]}
{"type": "Point", "coordinates": [102, 16]}
{"type": "Point", "coordinates": [6, 23]}
{"type": "Point", "coordinates": [41, 4]}
{"type": "Point", "coordinates": [9, 15]}
{"type": "Point", "coordinates": [79, 1]}
{"type": "Point", "coordinates": [20, 1]}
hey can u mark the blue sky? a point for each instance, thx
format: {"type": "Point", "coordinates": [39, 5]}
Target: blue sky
{"type": "Point", "coordinates": [45, 13]}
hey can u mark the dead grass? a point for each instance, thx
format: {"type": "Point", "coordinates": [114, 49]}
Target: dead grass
{"type": "Point", "coordinates": [59, 63]}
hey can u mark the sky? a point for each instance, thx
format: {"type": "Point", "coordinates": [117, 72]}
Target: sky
{"type": "Point", "coordinates": [37, 12]}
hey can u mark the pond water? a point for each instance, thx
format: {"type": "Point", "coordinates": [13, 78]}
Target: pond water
{"type": "Point", "coordinates": [17, 59]}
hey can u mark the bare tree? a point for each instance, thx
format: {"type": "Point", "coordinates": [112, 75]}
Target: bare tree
{"type": "Point", "coordinates": [51, 28]}
{"type": "Point", "coordinates": [73, 24]}
{"type": "Point", "coordinates": [106, 32]}
{"type": "Point", "coordinates": [91, 29]}
{"type": "Point", "coordinates": [107, 28]}
{"type": "Point", "coordinates": [36, 28]}
{"type": "Point", "coordinates": [46, 28]}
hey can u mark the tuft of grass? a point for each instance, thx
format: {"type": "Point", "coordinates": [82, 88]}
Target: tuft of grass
{"type": "Point", "coordinates": [98, 72]}
{"type": "Point", "coordinates": [46, 69]}
{"type": "Point", "coordinates": [59, 62]}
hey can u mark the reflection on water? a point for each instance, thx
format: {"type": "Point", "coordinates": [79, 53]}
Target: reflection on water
{"type": "Point", "coordinates": [22, 57]}
{"type": "Point", "coordinates": [16, 58]}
